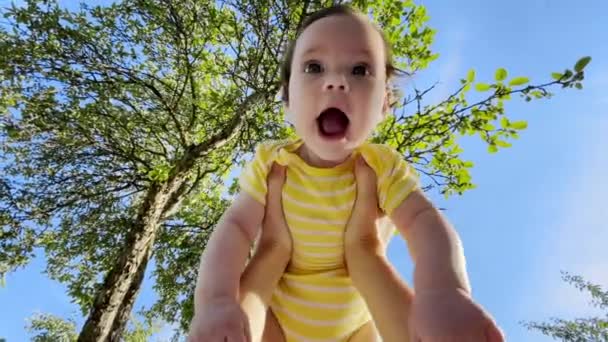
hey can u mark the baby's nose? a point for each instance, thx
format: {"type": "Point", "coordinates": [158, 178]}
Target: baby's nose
{"type": "Point", "coordinates": [336, 82]}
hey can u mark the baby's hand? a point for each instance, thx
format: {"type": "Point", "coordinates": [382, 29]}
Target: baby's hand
{"type": "Point", "coordinates": [220, 320]}
{"type": "Point", "coordinates": [442, 315]}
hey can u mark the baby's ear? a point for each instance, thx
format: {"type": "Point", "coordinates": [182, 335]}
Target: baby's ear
{"type": "Point", "coordinates": [285, 101]}
{"type": "Point", "coordinates": [386, 105]}
{"type": "Point", "coordinates": [283, 95]}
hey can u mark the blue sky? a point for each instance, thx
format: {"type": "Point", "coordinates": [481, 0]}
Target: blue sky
{"type": "Point", "coordinates": [539, 206]}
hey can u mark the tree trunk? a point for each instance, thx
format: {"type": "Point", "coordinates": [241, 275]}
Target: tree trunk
{"type": "Point", "coordinates": [124, 312]}
{"type": "Point", "coordinates": [115, 298]}
{"type": "Point", "coordinates": [118, 282]}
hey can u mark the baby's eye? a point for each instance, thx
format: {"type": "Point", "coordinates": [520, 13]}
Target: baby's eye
{"type": "Point", "coordinates": [361, 70]}
{"type": "Point", "coordinates": [313, 68]}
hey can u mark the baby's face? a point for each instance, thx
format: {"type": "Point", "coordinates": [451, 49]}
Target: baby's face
{"type": "Point", "coordinates": [337, 89]}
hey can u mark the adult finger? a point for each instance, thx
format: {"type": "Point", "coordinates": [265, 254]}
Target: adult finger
{"type": "Point", "coordinates": [276, 179]}
{"type": "Point", "coordinates": [366, 178]}
{"type": "Point", "coordinates": [366, 202]}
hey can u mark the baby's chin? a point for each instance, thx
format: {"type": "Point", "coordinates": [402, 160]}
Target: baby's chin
{"type": "Point", "coordinates": [329, 153]}
{"type": "Point", "coordinates": [331, 150]}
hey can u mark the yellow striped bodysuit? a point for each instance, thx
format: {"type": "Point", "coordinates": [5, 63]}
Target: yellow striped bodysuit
{"type": "Point", "coordinates": [315, 299]}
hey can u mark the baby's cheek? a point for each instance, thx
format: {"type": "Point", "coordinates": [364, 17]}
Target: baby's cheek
{"type": "Point", "coordinates": [368, 124]}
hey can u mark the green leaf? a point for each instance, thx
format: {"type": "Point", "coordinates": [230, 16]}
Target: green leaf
{"type": "Point", "coordinates": [517, 81]}
{"type": "Point", "coordinates": [488, 127]}
{"type": "Point", "coordinates": [519, 125]}
{"type": "Point", "coordinates": [502, 143]}
{"type": "Point", "coordinates": [578, 86]}
{"type": "Point", "coordinates": [501, 74]}
{"type": "Point", "coordinates": [582, 63]}
{"type": "Point", "coordinates": [537, 94]}
{"type": "Point", "coordinates": [471, 75]}
{"type": "Point", "coordinates": [492, 148]}
{"type": "Point", "coordinates": [504, 122]}
{"type": "Point", "coordinates": [556, 76]}
{"type": "Point", "coordinates": [482, 87]}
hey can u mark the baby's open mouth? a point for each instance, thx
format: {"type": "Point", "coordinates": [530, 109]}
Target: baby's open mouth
{"type": "Point", "coordinates": [332, 123]}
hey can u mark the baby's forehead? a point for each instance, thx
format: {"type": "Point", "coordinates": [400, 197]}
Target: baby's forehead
{"type": "Point", "coordinates": [352, 34]}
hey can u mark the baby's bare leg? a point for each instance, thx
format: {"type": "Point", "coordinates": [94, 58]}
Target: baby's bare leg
{"type": "Point", "coordinates": [367, 333]}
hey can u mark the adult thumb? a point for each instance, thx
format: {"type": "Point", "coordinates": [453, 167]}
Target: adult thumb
{"type": "Point", "coordinates": [365, 177]}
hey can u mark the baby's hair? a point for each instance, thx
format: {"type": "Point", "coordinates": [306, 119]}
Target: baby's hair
{"type": "Point", "coordinates": [334, 10]}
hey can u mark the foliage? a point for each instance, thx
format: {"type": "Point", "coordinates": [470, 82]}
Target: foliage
{"type": "Point", "coordinates": [592, 329]}
{"type": "Point", "coordinates": [50, 328]}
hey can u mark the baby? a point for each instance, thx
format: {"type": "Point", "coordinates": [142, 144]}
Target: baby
{"type": "Point", "coordinates": [320, 273]}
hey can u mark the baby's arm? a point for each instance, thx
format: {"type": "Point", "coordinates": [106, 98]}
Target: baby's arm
{"type": "Point", "coordinates": [224, 258]}
{"type": "Point", "coordinates": [440, 276]}
{"type": "Point", "coordinates": [442, 306]}
{"type": "Point", "coordinates": [434, 245]}
{"type": "Point", "coordinates": [245, 304]}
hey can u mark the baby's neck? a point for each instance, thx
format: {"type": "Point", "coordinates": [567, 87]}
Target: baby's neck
{"type": "Point", "coordinates": [313, 160]}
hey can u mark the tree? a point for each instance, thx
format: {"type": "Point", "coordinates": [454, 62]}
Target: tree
{"type": "Point", "coordinates": [121, 124]}
{"type": "Point", "coordinates": [50, 328]}
{"type": "Point", "coordinates": [593, 329]}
